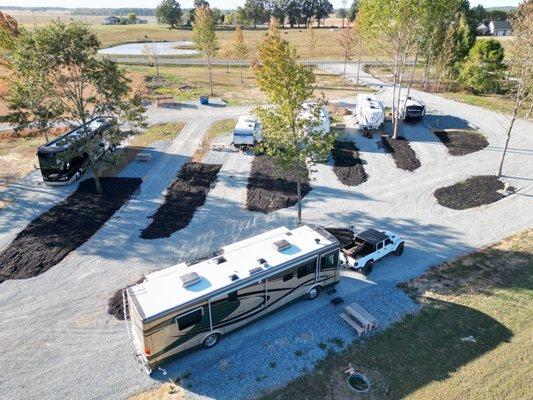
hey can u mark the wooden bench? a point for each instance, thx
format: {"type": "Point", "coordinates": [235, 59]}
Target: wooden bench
{"type": "Point", "coordinates": [365, 314]}
{"type": "Point", "coordinates": [353, 324]}
{"type": "Point", "coordinates": [143, 156]}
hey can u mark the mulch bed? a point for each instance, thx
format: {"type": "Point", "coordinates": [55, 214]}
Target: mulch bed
{"type": "Point", "coordinates": [474, 192]}
{"type": "Point", "coordinates": [343, 235]}
{"type": "Point", "coordinates": [460, 143]}
{"type": "Point", "coordinates": [403, 155]}
{"type": "Point", "coordinates": [270, 188]}
{"type": "Point", "coordinates": [185, 194]}
{"type": "Point", "coordinates": [66, 226]}
{"type": "Point", "coordinates": [347, 165]}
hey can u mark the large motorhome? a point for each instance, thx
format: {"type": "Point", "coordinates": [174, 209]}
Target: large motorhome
{"type": "Point", "coordinates": [65, 158]}
{"type": "Point", "coordinates": [184, 307]}
{"type": "Point", "coordinates": [370, 112]}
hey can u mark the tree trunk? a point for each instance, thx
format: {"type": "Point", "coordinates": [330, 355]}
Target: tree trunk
{"type": "Point", "coordinates": [227, 66]}
{"type": "Point", "coordinates": [241, 73]}
{"type": "Point", "coordinates": [500, 167]}
{"type": "Point", "coordinates": [411, 78]}
{"type": "Point", "coordinates": [210, 76]}
{"type": "Point", "coordinates": [345, 61]}
{"type": "Point", "coordinates": [299, 190]}
{"type": "Point", "coordinates": [358, 66]}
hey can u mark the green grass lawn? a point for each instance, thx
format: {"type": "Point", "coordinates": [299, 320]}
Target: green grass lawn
{"type": "Point", "coordinates": [493, 102]}
{"type": "Point", "coordinates": [487, 296]}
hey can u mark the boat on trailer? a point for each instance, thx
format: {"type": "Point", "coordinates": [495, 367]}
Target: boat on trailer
{"type": "Point", "coordinates": [185, 307]}
{"type": "Point", "coordinates": [370, 112]}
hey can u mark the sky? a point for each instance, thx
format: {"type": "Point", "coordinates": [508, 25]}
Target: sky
{"type": "Point", "coordinates": [227, 4]}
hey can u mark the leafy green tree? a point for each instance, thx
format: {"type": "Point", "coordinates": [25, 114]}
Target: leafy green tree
{"type": "Point", "coordinates": [255, 11]}
{"type": "Point", "coordinates": [393, 27]}
{"type": "Point", "coordinates": [307, 11]}
{"type": "Point", "coordinates": [169, 13]}
{"type": "Point", "coordinates": [217, 15]}
{"type": "Point", "coordinates": [294, 12]}
{"type": "Point", "coordinates": [521, 69]}
{"type": "Point", "coordinates": [278, 9]}
{"type": "Point", "coordinates": [322, 9]}
{"type": "Point", "coordinates": [352, 12]}
{"type": "Point", "coordinates": [132, 18]}
{"type": "Point", "coordinates": [482, 71]}
{"type": "Point", "coordinates": [294, 142]}
{"type": "Point", "coordinates": [240, 50]}
{"type": "Point", "coordinates": [59, 79]}
{"type": "Point", "coordinates": [479, 14]}
{"type": "Point", "coordinates": [205, 39]}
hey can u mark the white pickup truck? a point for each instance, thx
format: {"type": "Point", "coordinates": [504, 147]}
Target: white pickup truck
{"type": "Point", "coordinates": [368, 247]}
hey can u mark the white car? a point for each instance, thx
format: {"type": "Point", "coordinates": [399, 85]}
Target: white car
{"type": "Point", "coordinates": [368, 247]}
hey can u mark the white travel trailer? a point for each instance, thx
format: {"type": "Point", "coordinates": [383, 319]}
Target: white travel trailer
{"type": "Point", "coordinates": [370, 112]}
{"type": "Point", "coordinates": [184, 307]}
{"type": "Point", "coordinates": [246, 132]}
{"type": "Point", "coordinates": [325, 121]}
{"type": "Point", "coordinates": [411, 109]}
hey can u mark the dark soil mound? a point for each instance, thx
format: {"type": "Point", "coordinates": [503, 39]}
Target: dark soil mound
{"type": "Point", "coordinates": [184, 195]}
{"type": "Point", "coordinates": [271, 189]}
{"type": "Point", "coordinates": [473, 192]}
{"type": "Point", "coordinates": [343, 235]}
{"type": "Point", "coordinates": [403, 154]}
{"type": "Point", "coordinates": [115, 305]}
{"type": "Point", "coordinates": [347, 165]}
{"type": "Point", "coordinates": [66, 226]}
{"type": "Point", "coordinates": [460, 143]}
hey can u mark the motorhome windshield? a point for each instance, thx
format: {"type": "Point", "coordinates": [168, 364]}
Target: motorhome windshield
{"type": "Point", "coordinates": [49, 162]}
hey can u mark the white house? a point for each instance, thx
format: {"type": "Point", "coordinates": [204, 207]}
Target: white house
{"type": "Point", "coordinates": [500, 28]}
{"type": "Point", "coordinates": [482, 29]}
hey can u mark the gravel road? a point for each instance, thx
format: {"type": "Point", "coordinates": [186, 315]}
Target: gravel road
{"type": "Point", "coordinates": [57, 340]}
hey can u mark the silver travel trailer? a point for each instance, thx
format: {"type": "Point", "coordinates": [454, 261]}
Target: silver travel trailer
{"type": "Point", "coordinates": [246, 132]}
{"type": "Point", "coordinates": [370, 112]}
{"type": "Point", "coordinates": [183, 307]}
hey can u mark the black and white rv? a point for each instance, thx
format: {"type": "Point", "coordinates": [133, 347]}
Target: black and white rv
{"type": "Point", "coordinates": [185, 307]}
{"type": "Point", "coordinates": [65, 158]}
{"type": "Point", "coordinates": [411, 109]}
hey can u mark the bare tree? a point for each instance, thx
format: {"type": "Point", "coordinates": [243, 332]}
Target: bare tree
{"type": "Point", "coordinates": [522, 69]}
{"type": "Point", "coordinates": [151, 52]}
{"type": "Point", "coordinates": [348, 42]}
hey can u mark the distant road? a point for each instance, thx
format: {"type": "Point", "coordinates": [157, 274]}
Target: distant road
{"type": "Point", "coordinates": [201, 61]}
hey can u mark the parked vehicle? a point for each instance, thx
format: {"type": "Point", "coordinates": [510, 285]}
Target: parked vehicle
{"type": "Point", "coordinates": [411, 109]}
{"type": "Point", "coordinates": [370, 112]}
{"type": "Point", "coordinates": [368, 247]}
{"type": "Point", "coordinates": [247, 132]}
{"type": "Point", "coordinates": [65, 158]}
{"type": "Point", "coordinates": [324, 119]}
{"type": "Point", "coordinates": [189, 306]}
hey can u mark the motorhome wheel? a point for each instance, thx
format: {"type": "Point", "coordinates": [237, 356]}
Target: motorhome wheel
{"type": "Point", "coordinates": [211, 340]}
{"type": "Point", "coordinates": [313, 293]}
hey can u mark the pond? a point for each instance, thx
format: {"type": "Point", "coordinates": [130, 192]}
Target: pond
{"type": "Point", "coordinates": [163, 49]}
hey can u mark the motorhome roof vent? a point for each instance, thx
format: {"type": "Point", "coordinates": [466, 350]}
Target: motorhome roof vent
{"type": "Point", "coordinates": [234, 277]}
{"type": "Point", "coordinates": [190, 279]}
{"type": "Point", "coordinates": [317, 240]}
{"type": "Point", "coordinates": [261, 260]}
{"type": "Point", "coordinates": [220, 260]}
{"type": "Point", "coordinates": [281, 245]}
{"type": "Point", "coordinates": [289, 233]}
{"type": "Point", "coordinates": [255, 270]}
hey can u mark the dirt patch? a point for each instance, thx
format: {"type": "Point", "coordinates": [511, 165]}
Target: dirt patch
{"type": "Point", "coordinates": [403, 155]}
{"type": "Point", "coordinates": [343, 235]}
{"type": "Point", "coordinates": [474, 192]}
{"type": "Point", "coordinates": [460, 143]}
{"type": "Point", "coordinates": [184, 195]}
{"type": "Point", "coordinates": [167, 391]}
{"type": "Point", "coordinates": [66, 226]}
{"type": "Point", "coordinates": [347, 165]}
{"type": "Point", "coordinates": [270, 188]}
{"type": "Point", "coordinates": [115, 304]}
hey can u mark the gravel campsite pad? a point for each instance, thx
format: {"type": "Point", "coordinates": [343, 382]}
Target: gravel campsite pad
{"type": "Point", "coordinates": [53, 235]}
{"type": "Point", "coordinates": [184, 195]}
{"type": "Point", "coordinates": [474, 192]}
{"type": "Point", "coordinates": [269, 188]}
{"type": "Point", "coordinates": [403, 155]}
{"type": "Point", "coordinates": [460, 143]}
{"type": "Point", "coordinates": [347, 165]}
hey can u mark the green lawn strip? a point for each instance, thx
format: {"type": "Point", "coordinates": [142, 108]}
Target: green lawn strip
{"type": "Point", "coordinates": [469, 340]}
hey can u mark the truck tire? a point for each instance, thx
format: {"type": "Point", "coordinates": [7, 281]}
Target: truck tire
{"type": "Point", "coordinates": [399, 250]}
{"type": "Point", "coordinates": [313, 292]}
{"type": "Point", "coordinates": [367, 269]}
